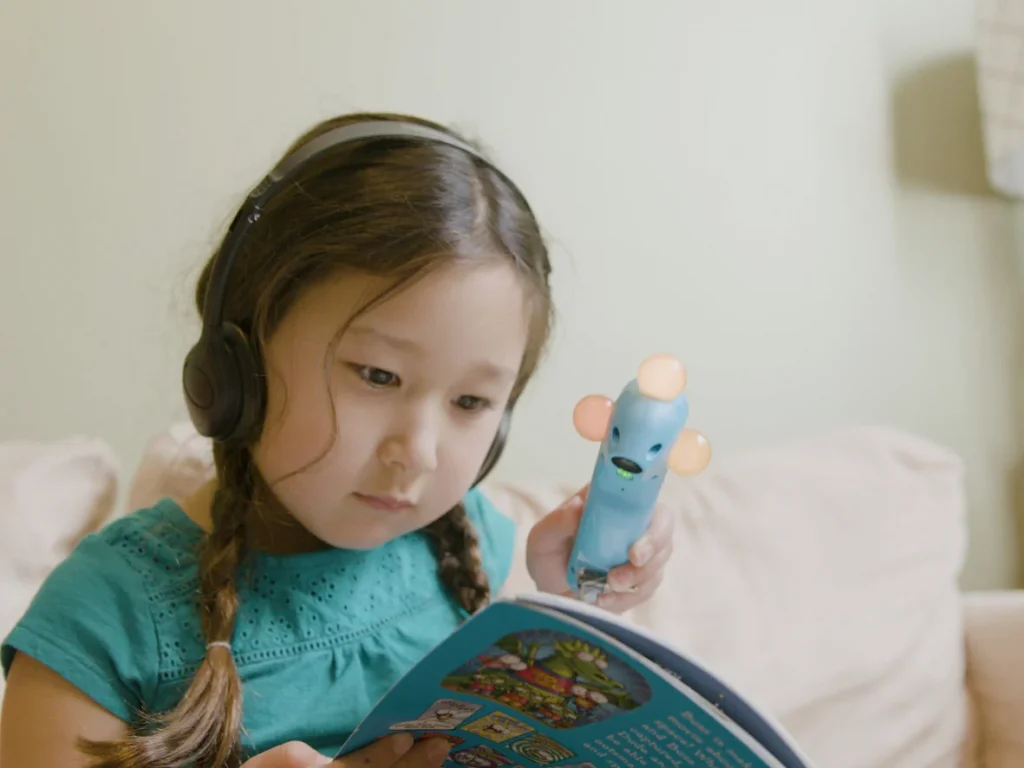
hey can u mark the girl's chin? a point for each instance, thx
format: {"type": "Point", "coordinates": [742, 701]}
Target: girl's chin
{"type": "Point", "coordinates": [363, 537]}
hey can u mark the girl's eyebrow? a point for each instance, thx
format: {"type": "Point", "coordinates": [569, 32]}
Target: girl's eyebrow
{"type": "Point", "coordinates": [486, 368]}
{"type": "Point", "coordinates": [395, 341]}
{"type": "Point", "coordinates": [494, 371]}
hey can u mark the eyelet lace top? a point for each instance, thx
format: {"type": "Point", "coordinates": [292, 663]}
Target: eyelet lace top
{"type": "Point", "coordinates": [318, 639]}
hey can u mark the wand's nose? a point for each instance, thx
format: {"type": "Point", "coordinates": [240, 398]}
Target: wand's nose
{"type": "Point", "coordinates": [630, 466]}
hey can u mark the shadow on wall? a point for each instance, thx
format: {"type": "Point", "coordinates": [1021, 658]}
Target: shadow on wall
{"type": "Point", "coordinates": [1017, 475]}
{"type": "Point", "coordinates": [938, 147]}
{"type": "Point", "coordinates": [936, 128]}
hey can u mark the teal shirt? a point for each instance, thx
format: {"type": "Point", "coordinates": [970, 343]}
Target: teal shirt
{"type": "Point", "coordinates": [319, 637]}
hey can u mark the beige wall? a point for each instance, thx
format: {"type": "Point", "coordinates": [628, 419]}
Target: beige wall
{"type": "Point", "coordinates": [787, 194]}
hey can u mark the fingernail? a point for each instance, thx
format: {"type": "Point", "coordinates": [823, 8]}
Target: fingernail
{"type": "Point", "coordinates": [620, 585]}
{"type": "Point", "coordinates": [402, 743]}
{"type": "Point", "coordinates": [570, 504]}
{"type": "Point", "coordinates": [438, 749]}
{"type": "Point", "coordinates": [642, 552]}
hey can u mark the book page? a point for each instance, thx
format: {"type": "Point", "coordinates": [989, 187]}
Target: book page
{"type": "Point", "coordinates": [688, 671]}
{"type": "Point", "coordinates": [519, 687]}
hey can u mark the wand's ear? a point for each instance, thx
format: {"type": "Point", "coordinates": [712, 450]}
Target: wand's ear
{"type": "Point", "coordinates": [691, 454]}
{"type": "Point", "coordinates": [662, 377]}
{"type": "Point", "coordinates": [592, 415]}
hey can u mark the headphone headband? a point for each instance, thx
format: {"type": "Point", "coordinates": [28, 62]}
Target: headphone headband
{"type": "Point", "coordinates": [281, 174]}
{"type": "Point", "coordinates": [369, 129]}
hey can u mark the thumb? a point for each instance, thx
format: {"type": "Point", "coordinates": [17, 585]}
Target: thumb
{"type": "Point", "coordinates": [559, 526]}
{"type": "Point", "coordinates": [292, 754]}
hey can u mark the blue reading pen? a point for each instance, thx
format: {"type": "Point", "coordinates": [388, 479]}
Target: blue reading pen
{"type": "Point", "coordinates": [643, 437]}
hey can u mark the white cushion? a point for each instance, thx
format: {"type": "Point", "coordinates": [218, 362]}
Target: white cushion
{"type": "Point", "coordinates": [174, 463]}
{"type": "Point", "coordinates": [52, 493]}
{"type": "Point", "coordinates": [820, 577]}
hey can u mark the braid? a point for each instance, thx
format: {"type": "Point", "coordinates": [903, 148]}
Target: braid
{"type": "Point", "coordinates": [459, 563]}
{"type": "Point", "coordinates": [203, 729]}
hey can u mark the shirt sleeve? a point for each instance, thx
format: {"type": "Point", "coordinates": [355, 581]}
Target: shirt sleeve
{"type": "Point", "coordinates": [497, 534]}
{"type": "Point", "coordinates": [90, 623]}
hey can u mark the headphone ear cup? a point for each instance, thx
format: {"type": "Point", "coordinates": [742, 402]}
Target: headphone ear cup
{"type": "Point", "coordinates": [223, 391]}
{"type": "Point", "coordinates": [249, 385]}
{"type": "Point", "coordinates": [497, 446]}
{"type": "Point", "coordinates": [202, 380]}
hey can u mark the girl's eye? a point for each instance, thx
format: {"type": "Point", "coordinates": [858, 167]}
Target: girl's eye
{"type": "Point", "coordinates": [472, 403]}
{"type": "Point", "coordinates": [376, 377]}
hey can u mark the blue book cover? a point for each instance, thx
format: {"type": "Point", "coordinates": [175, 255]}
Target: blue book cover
{"type": "Point", "coordinates": [544, 681]}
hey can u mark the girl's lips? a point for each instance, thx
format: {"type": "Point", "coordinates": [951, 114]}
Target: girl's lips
{"type": "Point", "coordinates": [385, 503]}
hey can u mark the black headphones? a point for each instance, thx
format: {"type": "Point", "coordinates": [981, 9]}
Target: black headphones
{"type": "Point", "coordinates": [224, 388]}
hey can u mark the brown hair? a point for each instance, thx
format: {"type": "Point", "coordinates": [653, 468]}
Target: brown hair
{"type": "Point", "coordinates": [390, 207]}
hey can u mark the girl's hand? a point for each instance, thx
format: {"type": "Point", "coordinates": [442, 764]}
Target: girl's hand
{"type": "Point", "coordinates": [390, 752]}
{"type": "Point", "coordinates": [550, 543]}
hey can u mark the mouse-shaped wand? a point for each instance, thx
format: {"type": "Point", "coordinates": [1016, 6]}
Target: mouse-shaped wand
{"type": "Point", "coordinates": [642, 437]}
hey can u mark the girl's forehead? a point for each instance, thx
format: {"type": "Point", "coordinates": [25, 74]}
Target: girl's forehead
{"type": "Point", "coordinates": [461, 288]}
{"type": "Point", "coordinates": [482, 305]}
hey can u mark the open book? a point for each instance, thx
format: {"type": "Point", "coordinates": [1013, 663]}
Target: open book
{"type": "Point", "coordinates": [538, 680]}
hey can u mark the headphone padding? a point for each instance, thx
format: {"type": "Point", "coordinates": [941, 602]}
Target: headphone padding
{"type": "Point", "coordinates": [223, 390]}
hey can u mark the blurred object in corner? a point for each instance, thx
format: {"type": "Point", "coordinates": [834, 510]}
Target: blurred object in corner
{"type": "Point", "coordinates": [1000, 41]}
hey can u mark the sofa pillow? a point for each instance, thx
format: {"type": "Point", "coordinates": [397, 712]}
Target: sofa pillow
{"type": "Point", "coordinates": [174, 463]}
{"type": "Point", "coordinates": [820, 577]}
{"type": "Point", "coordinates": [52, 493]}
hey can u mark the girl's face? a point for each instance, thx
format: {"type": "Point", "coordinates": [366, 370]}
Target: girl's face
{"type": "Point", "coordinates": [417, 385]}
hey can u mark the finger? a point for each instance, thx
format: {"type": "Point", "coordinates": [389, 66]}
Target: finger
{"type": "Point", "coordinates": [622, 602]}
{"type": "Point", "coordinates": [629, 578]}
{"type": "Point", "coordinates": [559, 526]}
{"type": "Point", "coordinates": [379, 754]}
{"type": "Point", "coordinates": [430, 752]}
{"type": "Point", "coordinates": [658, 534]}
{"type": "Point", "coordinates": [582, 492]}
{"type": "Point", "coordinates": [293, 754]}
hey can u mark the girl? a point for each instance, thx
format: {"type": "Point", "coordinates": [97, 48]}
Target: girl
{"type": "Point", "coordinates": [369, 323]}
